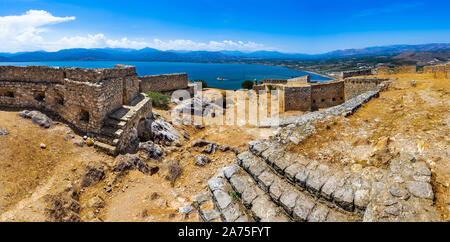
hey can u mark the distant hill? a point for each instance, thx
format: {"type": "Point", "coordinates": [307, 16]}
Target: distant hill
{"type": "Point", "coordinates": [420, 53]}
{"type": "Point", "coordinates": [424, 58]}
{"type": "Point", "coordinates": [389, 50]}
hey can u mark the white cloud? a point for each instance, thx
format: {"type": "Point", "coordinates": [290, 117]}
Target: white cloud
{"type": "Point", "coordinates": [26, 33]}
{"type": "Point", "coordinates": [211, 45]}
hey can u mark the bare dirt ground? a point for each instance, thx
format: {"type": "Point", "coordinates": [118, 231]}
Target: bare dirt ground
{"type": "Point", "coordinates": [412, 116]}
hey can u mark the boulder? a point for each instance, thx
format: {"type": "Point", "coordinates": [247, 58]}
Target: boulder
{"type": "Point", "coordinates": [175, 170]}
{"type": "Point", "coordinates": [201, 160]}
{"type": "Point", "coordinates": [152, 150]}
{"type": "Point", "coordinates": [96, 202]}
{"type": "Point", "coordinates": [130, 162]}
{"type": "Point", "coordinates": [37, 118]}
{"type": "Point", "coordinates": [210, 149]}
{"type": "Point", "coordinates": [164, 132]}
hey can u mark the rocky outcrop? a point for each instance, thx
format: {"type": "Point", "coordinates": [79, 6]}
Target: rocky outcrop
{"type": "Point", "coordinates": [94, 173]}
{"type": "Point", "coordinates": [130, 162]}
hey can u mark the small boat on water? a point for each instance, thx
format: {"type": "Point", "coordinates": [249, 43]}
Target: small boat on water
{"type": "Point", "coordinates": [221, 79]}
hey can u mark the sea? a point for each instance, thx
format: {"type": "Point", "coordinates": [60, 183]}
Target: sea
{"type": "Point", "coordinates": [231, 75]}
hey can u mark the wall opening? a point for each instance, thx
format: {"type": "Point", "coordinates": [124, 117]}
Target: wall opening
{"type": "Point", "coordinates": [6, 93]}
{"type": "Point", "coordinates": [39, 96]}
{"type": "Point", "coordinates": [334, 99]}
{"type": "Point", "coordinates": [84, 115]}
{"type": "Point", "coordinates": [322, 100]}
{"type": "Point", "coordinates": [59, 99]}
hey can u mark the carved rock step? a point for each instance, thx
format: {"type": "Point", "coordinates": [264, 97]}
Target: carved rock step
{"type": "Point", "coordinates": [127, 112]}
{"type": "Point", "coordinates": [115, 123]}
{"type": "Point", "coordinates": [253, 197]}
{"type": "Point", "coordinates": [206, 208]}
{"type": "Point", "coordinates": [113, 132]}
{"type": "Point", "coordinates": [107, 140]}
{"type": "Point", "coordinates": [108, 149]}
{"type": "Point", "coordinates": [227, 202]}
{"type": "Point", "coordinates": [301, 206]}
{"type": "Point", "coordinates": [343, 188]}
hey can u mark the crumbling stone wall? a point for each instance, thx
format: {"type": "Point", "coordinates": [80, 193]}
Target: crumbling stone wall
{"type": "Point", "coordinates": [383, 70]}
{"type": "Point", "coordinates": [82, 97]}
{"type": "Point", "coordinates": [324, 95]}
{"type": "Point", "coordinates": [300, 80]}
{"type": "Point", "coordinates": [356, 86]}
{"type": "Point", "coordinates": [405, 69]}
{"type": "Point", "coordinates": [273, 81]}
{"type": "Point", "coordinates": [447, 70]}
{"type": "Point", "coordinates": [438, 71]}
{"type": "Point", "coordinates": [163, 83]}
{"type": "Point", "coordinates": [365, 72]}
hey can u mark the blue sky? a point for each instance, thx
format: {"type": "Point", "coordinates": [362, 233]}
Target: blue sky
{"type": "Point", "coordinates": [283, 25]}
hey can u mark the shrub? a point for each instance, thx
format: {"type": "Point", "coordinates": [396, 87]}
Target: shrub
{"type": "Point", "coordinates": [204, 84]}
{"type": "Point", "coordinates": [328, 127]}
{"type": "Point", "coordinates": [235, 196]}
{"type": "Point", "coordinates": [270, 87]}
{"type": "Point", "coordinates": [159, 100]}
{"type": "Point", "coordinates": [247, 84]}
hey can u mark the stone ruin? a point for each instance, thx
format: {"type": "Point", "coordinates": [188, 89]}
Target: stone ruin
{"type": "Point", "coordinates": [108, 104]}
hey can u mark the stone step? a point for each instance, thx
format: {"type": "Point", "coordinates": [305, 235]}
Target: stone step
{"type": "Point", "coordinates": [301, 205]}
{"type": "Point", "coordinates": [253, 197]}
{"type": "Point", "coordinates": [108, 149]}
{"type": "Point", "coordinates": [347, 190]}
{"type": "Point", "coordinates": [206, 208]}
{"type": "Point", "coordinates": [127, 112]}
{"type": "Point", "coordinates": [113, 132]}
{"type": "Point", "coordinates": [107, 139]}
{"type": "Point", "coordinates": [227, 202]}
{"type": "Point", "coordinates": [115, 123]}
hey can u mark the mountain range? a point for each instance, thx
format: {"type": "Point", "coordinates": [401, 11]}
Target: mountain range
{"type": "Point", "coordinates": [149, 54]}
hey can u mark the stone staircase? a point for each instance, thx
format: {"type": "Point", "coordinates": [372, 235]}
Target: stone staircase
{"type": "Point", "coordinates": [270, 184]}
{"type": "Point", "coordinates": [115, 125]}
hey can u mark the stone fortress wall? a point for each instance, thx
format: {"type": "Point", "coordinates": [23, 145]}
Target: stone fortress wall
{"type": "Point", "coordinates": [298, 94]}
{"type": "Point", "coordinates": [355, 86]}
{"type": "Point", "coordinates": [164, 83]}
{"type": "Point", "coordinates": [107, 104]}
{"type": "Point", "coordinates": [405, 69]}
{"type": "Point", "coordinates": [325, 95]}
{"type": "Point", "coordinates": [438, 71]}
{"type": "Point", "coordinates": [346, 74]}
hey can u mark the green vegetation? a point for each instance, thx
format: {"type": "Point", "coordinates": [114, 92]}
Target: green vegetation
{"type": "Point", "coordinates": [334, 123]}
{"type": "Point", "coordinates": [159, 100]}
{"type": "Point", "coordinates": [328, 127]}
{"type": "Point", "coordinates": [271, 88]}
{"type": "Point", "coordinates": [247, 85]}
{"type": "Point", "coordinates": [204, 84]}
{"type": "Point", "coordinates": [235, 196]}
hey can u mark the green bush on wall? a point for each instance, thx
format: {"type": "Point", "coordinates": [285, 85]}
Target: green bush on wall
{"type": "Point", "coordinates": [247, 85]}
{"type": "Point", "coordinates": [159, 100]}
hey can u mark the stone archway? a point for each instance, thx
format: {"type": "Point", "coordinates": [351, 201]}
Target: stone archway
{"type": "Point", "coordinates": [143, 130]}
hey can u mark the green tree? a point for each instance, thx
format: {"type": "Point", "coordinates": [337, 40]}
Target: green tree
{"type": "Point", "coordinates": [247, 84]}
